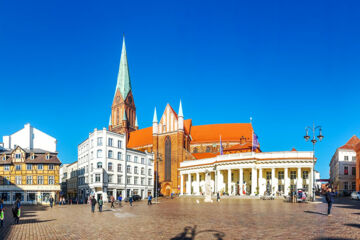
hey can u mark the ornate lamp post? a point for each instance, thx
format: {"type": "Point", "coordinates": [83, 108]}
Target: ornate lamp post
{"type": "Point", "coordinates": [313, 140]}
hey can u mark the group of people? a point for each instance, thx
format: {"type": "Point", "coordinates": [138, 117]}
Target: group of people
{"type": "Point", "coordinates": [16, 211]}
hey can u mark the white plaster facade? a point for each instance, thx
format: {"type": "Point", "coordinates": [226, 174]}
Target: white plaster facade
{"type": "Point", "coordinates": [343, 170]}
{"type": "Point", "coordinates": [106, 167]}
{"type": "Point", "coordinates": [30, 138]}
{"type": "Point", "coordinates": [249, 173]}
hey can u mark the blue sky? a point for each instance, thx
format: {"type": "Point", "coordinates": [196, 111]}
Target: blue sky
{"type": "Point", "coordinates": [285, 63]}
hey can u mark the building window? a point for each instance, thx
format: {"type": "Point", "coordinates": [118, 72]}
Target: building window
{"type": "Point", "coordinates": [91, 167]}
{"type": "Point", "coordinates": [29, 180]}
{"type": "Point", "coordinates": [28, 166]}
{"type": "Point", "coordinates": [7, 180]}
{"type": "Point", "coordinates": [119, 156]}
{"type": "Point", "coordinates": [110, 142]}
{"type": "Point", "coordinates": [92, 155]}
{"type": "Point", "coordinates": [149, 172]}
{"type": "Point", "coordinates": [135, 180]}
{"type": "Point", "coordinates": [110, 154]}
{"type": "Point", "coordinates": [97, 178]}
{"type": "Point", "coordinates": [99, 153]}
{"type": "Point", "coordinates": [40, 180]}
{"type": "Point", "coordinates": [142, 171]}
{"type": "Point", "coordinates": [4, 158]}
{"type": "Point", "coordinates": [142, 160]}
{"type": "Point", "coordinates": [128, 169]}
{"type": "Point", "coordinates": [346, 158]}
{"type": "Point", "coordinates": [119, 144]}
{"type": "Point", "coordinates": [149, 182]}
{"type": "Point", "coordinates": [51, 166]}
{"type": "Point", "coordinates": [268, 175]}
{"type": "Point", "coordinates": [354, 158]}
{"type": "Point", "coordinates": [136, 170]}
{"type": "Point", "coordinates": [32, 157]}
{"type": "Point", "coordinates": [167, 159]}
{"type": "Point", "coordinates": [346, 185]}
{"type": "Point", "coordinates": [7, 168]}
{"type": "Point", "coordinates": [110, 166]}
{"type": "Point", "coordinates": [128, 180]}
{"type": "Point", "coordinates": [135, 159]}
{"type": "Point", "coordinates": [51, 180]}
{"type": "Point", "coordinates": [99, 141]}
{"type": "Point", "coordinates": [128, 158]}
{"type": "Point", "coordinates": [281, 188]}
{"type": "Point", "coordinates": [48, 157]}
{"type": "Point", "coordinates": [110, 178]}
{"type": "Point", "coordinates": [195, 150]}
{"type": "Point", "coordinates": [119, 168]}
{"type": "Point", "coordinates": [346, 170]}
{"type": "Point", "coordinates": [207, 149]}
{"type": "Point", "coordinates": [18, 180]}
{"type": "Point", "coordinates": [305, 174]}
{"type": "Point", "coordinates": [280, 175]}
{"type": "Point", "coordinates": [99, 165]}
{"type": "Point", "coordinates": [18, 155]}
{"type": "Point", "coordinates": [18, 167]}
{"type": "Point", "coordinates": [119, 177]}
{"type": "Point", "coordinates": [142, 181]}
{"type": "Point", "coordinates": [292, 174]}
{"type": "Point", "coordinates": [353, 186]}
{"type": "Point", "coordinates": [353, 171]}
{"type": "Point", "coordinates": [40, 167]}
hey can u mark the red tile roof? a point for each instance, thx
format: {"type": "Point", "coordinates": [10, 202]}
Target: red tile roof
{"type": "Point", "coordinates": [204, 155]}
{"type": "Point", "coordinates": [239, 147]}
{"type": "Point", "coordinates": [351, 143]}
{"type": "Point", "coordinates": [141, 137]}
{"type": "Point", "coordinates": [228, 132]}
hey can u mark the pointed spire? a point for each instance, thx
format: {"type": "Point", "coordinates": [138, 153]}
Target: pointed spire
{"type": "Point", "coordinates": [155, 120]}
{"type": "Point", "coordinates": [124, 117]}
{"type": "Point", "coordinates": [136, 122]}
{"type": "Point", "coordinates": [123, 79]}
{"type": "Point", "coordinates": [110, 120]}
{"type": "Point", "coordinates": [180, 114]}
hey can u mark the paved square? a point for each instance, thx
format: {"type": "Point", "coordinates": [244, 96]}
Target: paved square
{"type": "Point", "coordinates": [184, 218]}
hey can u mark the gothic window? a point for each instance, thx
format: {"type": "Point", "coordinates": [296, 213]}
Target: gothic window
{"type": "Point", "coordinates": [117, 116]}
{"type": "Point", "coordinates": [207, 149]}
{"type": "Point", "coordinates": [195, 150]}
{"type": "Point", "coordinates": [167, 159]}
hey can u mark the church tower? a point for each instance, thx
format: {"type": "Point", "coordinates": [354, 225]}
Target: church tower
{"type": "Point", "coordinates": [123, 111]}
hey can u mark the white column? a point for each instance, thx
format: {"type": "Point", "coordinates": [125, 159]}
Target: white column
{"type": "Point", "coordinates": [182, 185]}
{"type": "Point", "coordinates": [229, 181]}
{"type": "Point", "coordinates": [241, 180]}
{"type": "Point", "coordinates": [217, 180]}
{"type": "Point", "coordinates": [189, 184]}
{"type": "Point", "coordinates": [299, 179]}
{"type": "Point", "coordinates": [261, 186]}
{"type": "Point", "coordinates": [253, 181]}
{"type": "Point", "coordinates": [286, 181]}
{"type": "Point", "coordinates": [273, 184]}
{"type": "Point", "coordinates": [197, 183]}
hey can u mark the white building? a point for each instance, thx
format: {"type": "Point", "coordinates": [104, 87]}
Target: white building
{"type": "Point", "coordinates": [30, 138]}
{"type": "Point", "coordinates": [106, 167]}
{"type": "Point", "coordinates": [343, 167]}
{"type": "Point", "coordinates": [249, 173]}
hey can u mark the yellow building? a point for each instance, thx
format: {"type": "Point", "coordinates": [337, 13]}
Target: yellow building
{"type": "Point", "coordinates": [31, 175]}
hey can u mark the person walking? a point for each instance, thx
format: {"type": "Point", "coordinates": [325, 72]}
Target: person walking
{"type": "Point", "coordinates": [100, 204]}
{"type": "Point", "coordinates": [16, 211]}
{"type": "Point", "coordinates": [93, 203]}
{"type": "Point", "coordinates": [329, 200]}
{"type": "Point", "coordinates": [112, 200]}
{"type": "Point", "coordinates": [149, 199]}
{"type": "Point", "coordinates": [51, 200]}
{"type": "Point", "coordinates": [2, 213]}
{"type": "Point", "coordinates": [130, 201]}
{"type": "Point", "coordinates": [119, 199]}
{"type": "Point", "coordinates": [218, 197]}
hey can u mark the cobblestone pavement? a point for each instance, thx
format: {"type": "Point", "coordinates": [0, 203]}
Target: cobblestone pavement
{"type": "Point", "coordinates": [184, 218]}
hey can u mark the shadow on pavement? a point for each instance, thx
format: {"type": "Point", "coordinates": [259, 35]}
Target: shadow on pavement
{"type": "Point", "coordinates": [319, 213]}
{"type": "Point", "coordinates": [331, 238]}
{"type": "Point", "coordinates": [190, 233]}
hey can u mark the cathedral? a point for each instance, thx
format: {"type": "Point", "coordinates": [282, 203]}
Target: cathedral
{"type": "Point", "coordinates": [173, 139]}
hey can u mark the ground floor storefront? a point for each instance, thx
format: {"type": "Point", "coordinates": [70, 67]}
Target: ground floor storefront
{"type": "Point", "coordinates": [29, 196]}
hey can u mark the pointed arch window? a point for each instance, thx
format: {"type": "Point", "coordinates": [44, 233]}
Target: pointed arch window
{"type": "Point", "coordinates": [167, 159]}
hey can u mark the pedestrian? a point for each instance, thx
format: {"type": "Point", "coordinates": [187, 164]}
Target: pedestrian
{"type": "Point", "coordinates": [149, 199]}
{"type": "Point", "coordinates": [100, 204]}
{"type": "Point", "coordinates": [16, 210]}
{"type": "Point", "coordinates": [172, 195]}
{"type": "Point", "coordinates": [51, 200]}
{"type": "Point", "coordinates": [93, 203]}
{"type": "Point", "coordinates": [2, 213]}
{"type": "Point", "coordinates": [130, 200]}
{"type": "Point", "coordinates": [112, 199]}
{"type": "Point", "coordinates": [120, 199]}
{"type": "Point", "coordinates": [218, 197]}
{"type": "Point", "coordinates": [329, 200]}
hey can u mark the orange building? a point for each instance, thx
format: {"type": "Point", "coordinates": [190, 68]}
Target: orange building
{"type": "Point", "coordinates": [173, 139]}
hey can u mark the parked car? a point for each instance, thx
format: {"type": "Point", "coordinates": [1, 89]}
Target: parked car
{"type": "Point", "coordinates": [355, 195]}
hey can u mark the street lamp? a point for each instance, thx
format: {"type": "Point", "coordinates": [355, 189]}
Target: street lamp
{"type": "Point", "coordinates": [313, 140]}
{"type": "Point", "coordinates": [157, 175]}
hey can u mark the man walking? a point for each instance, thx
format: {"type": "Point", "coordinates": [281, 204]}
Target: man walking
{"type": "Point", "coordinates": [119, 199]}
{"type": "Point", "coordinates": [1, 213]}
{"type": "Point", "coordinates": [51, 200]}
{"type": "Point", "coordinates": [330, 200]}
{"type": "Point", "coordinates": [149, 199]}
{"type": "Point", "coordinates": [100, 204]}
{"type": "Point", "coordinates": [130, 201]}
{"type": "Point", "coordinates": [93, 203]}
{"type": "Point", "coordinates": [112, 199]}
{"type": "Point", "coordinates": [218, 197]}
{"type": "Point", "coordinates": [16, 210]}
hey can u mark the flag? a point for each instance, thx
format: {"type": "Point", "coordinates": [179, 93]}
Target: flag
{"type": "Point", "coordinates": [221, 147]}
{"type": "Point", "coordinates": [255, 142]}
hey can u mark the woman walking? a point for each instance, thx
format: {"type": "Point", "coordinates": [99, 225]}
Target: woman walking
{"type": "Point", "coordinates": [100, 204]}
{"type": "Point", "coordinates": [16, 211]}
{"type": "Point", "coordinates": [1, 213]}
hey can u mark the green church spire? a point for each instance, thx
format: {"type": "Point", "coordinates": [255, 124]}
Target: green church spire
{"type": "Point", "coordinates": [123, 80]}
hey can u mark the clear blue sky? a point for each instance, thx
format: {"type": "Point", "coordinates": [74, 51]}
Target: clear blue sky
{"type": "Point", "coordinates": [285, 63]}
